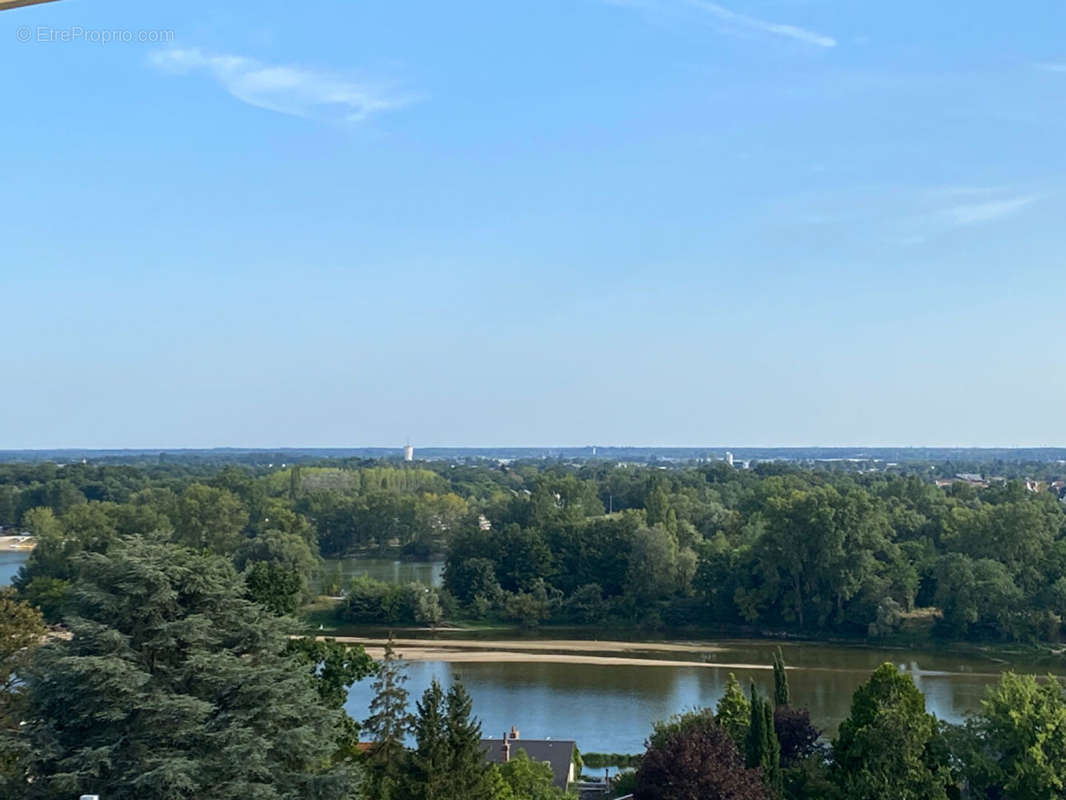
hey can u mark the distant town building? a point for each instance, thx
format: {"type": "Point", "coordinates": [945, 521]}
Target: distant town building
{"type": "Point", "coordinates": [967, 478]}
{"type": "Point", "coordinates": [729, 458]}
{"type": "Point", "coordinates": [408, 453]}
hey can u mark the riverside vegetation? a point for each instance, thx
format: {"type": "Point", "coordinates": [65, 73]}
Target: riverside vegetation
{"type": "Point", "coordinates": [812, 552]}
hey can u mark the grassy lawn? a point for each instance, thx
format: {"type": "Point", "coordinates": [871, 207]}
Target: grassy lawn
{"type": "Point", "coordinates": [321, 618]}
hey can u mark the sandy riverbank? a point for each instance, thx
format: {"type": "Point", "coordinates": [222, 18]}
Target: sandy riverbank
{"type": "Point", "coordinates": [503, 656]}
{"type": "Point", "coordinates": [16, 544]}
{"type": "Point", "coordinates": [542, 645]}
{"type": "Point", "coordinates": [577, 651]}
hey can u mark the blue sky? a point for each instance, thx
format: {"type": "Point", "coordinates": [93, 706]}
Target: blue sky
{"type": "Point", "coordinates": [655, 222]}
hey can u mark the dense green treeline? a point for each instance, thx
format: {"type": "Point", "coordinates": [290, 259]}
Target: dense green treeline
{"type": "Point", "coordinates": [804, 551]}
{"type": "Point", "coordinates": [816, 552]}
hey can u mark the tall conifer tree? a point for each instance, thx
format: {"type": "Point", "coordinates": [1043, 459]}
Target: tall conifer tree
{"type": "Point", "coordinates": [756, 740]}
{"type": "Point", "coordinates": [763, 749]}
{"type": "Point", "coordinates": [173, 685]}
{"type": "Point", "coordinates": [430, 767]}
{"type": "Point", "coordinates": [734, 712]}
{"type": "Point", "coordinates": [771, 751]}
{"type": "Point", "coordinates": [388, 724]}
{"type": "Point", "coordinates": [467, 769]}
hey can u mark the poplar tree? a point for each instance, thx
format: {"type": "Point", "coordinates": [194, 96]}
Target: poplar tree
{"type": "Point", "coordinates": [753, 750]}
{"type": "Point", "coordinates": [782, 694]}
{"type": "Point", "coordinates": [763, 750]}
{"type": "Point", "coordinates": [771, 763]}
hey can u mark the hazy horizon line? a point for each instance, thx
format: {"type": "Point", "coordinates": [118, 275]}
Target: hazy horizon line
{"type": "Point", "coordinates": [400, 447]}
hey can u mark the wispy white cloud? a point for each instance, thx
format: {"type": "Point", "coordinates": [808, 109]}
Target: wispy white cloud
{"type": "Point", "coordinates": [727, 20]}
{"type": "Point", "coordinates": [286, 89]}
{"type": "Point", "coordinates": [978, 213]}
{"type": "Point", "coordinates": [743, 21]}
{"type": "Point", "coordinates": [1052, 66]}
{"type": "Point", "coordinates": [904, 216]}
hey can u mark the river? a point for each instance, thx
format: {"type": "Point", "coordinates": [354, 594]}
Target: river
{"type": "Point", "coordinates": [611, 708]}
{"type": "Point", "coordinates": [389, 570]}
{"type": "Point", "coordinates": [10, 563]}
{"type": "Point", "coordinates": [382, 569]}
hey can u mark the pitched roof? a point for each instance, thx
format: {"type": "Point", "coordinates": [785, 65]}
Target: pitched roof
{"type": "Point", "coordinates": [557, 753]}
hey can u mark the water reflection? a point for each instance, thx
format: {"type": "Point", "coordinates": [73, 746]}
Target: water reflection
{"type": "Point", "coordinates": [390, 570]}
{"type": "Point", "coordinates": [9, 565]}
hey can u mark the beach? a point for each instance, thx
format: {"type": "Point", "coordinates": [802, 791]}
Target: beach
{"type": "Point", "coordinates": [557, 651]}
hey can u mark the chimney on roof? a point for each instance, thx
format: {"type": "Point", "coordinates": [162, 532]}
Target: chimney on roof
{"type": "Point", "coordinates": [514, 732]}
{"type": "Point", "coordinates": [505, 750]}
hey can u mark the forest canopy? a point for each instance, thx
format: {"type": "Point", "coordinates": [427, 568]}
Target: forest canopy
{"type": "Point", "coordinates": [778, 547]}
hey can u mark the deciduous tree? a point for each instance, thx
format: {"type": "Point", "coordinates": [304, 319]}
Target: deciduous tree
{"type": "Point", "coordinates": [1016, 746]}
{"type": "Point", "coordinates": [21, 632]}
{"type": "Point", "coordinates": [889, 746]}
{"type": "Point", "coordinates": [693, 757]}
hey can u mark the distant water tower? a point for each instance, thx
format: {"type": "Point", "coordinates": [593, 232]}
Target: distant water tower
{"type": "Point", "coordinates": [729, 458]}
{"type": "Point", "coordinates": [408, 453]}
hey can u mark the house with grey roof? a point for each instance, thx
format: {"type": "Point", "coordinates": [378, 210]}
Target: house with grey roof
{"type": "Point", "coordinates": [556, 753]}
